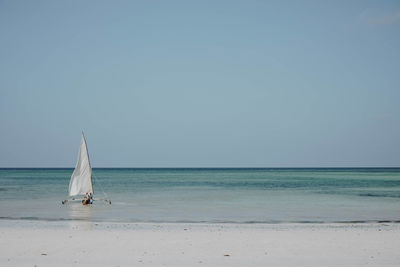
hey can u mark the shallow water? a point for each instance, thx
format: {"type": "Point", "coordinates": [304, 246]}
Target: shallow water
{"type": "Point", "coordinates": [208, 195]}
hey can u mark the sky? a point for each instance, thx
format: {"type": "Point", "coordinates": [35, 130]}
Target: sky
{"type": "Point", "coordinates": [200, 83]}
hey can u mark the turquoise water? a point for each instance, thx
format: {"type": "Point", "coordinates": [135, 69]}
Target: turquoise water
{"type": "Point", "coordinates": [208, 195]}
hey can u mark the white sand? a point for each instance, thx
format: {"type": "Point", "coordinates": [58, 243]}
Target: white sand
{"type": "Point", "coordinates": [30, 243]}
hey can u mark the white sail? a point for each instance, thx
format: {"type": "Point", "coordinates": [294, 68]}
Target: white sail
{"type": "Point", "coordinates": [81, 179]}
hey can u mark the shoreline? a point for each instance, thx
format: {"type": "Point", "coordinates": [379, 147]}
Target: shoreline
{"type": "Point", "coordinates": [26, 222]}
{"type": "Point", "coordinates": [82, 243]}
{"type": "Point", "coordinates": [272, 222]}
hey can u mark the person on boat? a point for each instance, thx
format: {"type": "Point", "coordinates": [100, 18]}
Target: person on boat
{"type": "Point", "coordinates": [88, 199]}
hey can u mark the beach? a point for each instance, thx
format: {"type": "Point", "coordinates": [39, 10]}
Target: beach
{"type": "Point", "coordinates": [82, 243]}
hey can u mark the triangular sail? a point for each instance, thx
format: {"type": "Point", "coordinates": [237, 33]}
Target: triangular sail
{"type": "Point", "coordinates": [81, 179]}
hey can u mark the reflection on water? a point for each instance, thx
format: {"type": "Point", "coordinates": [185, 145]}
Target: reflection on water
{"type": "Point", "coordinates": [82, 216]}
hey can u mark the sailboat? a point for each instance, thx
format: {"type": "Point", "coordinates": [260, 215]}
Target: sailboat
{"type": "Point", "coordinates": [81, 183]}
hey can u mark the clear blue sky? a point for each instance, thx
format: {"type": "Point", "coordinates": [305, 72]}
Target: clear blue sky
{"type": "Point", "coordinates": [200, 83]}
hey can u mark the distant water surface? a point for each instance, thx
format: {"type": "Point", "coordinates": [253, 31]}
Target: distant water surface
{"type": "Point", "coordinates": [208, 195]}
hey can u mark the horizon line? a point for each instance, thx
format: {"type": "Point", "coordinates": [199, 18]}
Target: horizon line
{"type": "Point", "coordinates": [221, 167]}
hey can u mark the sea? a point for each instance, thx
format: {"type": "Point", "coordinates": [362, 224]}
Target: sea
{"type": "Point", "coordinates": [207, 195]}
